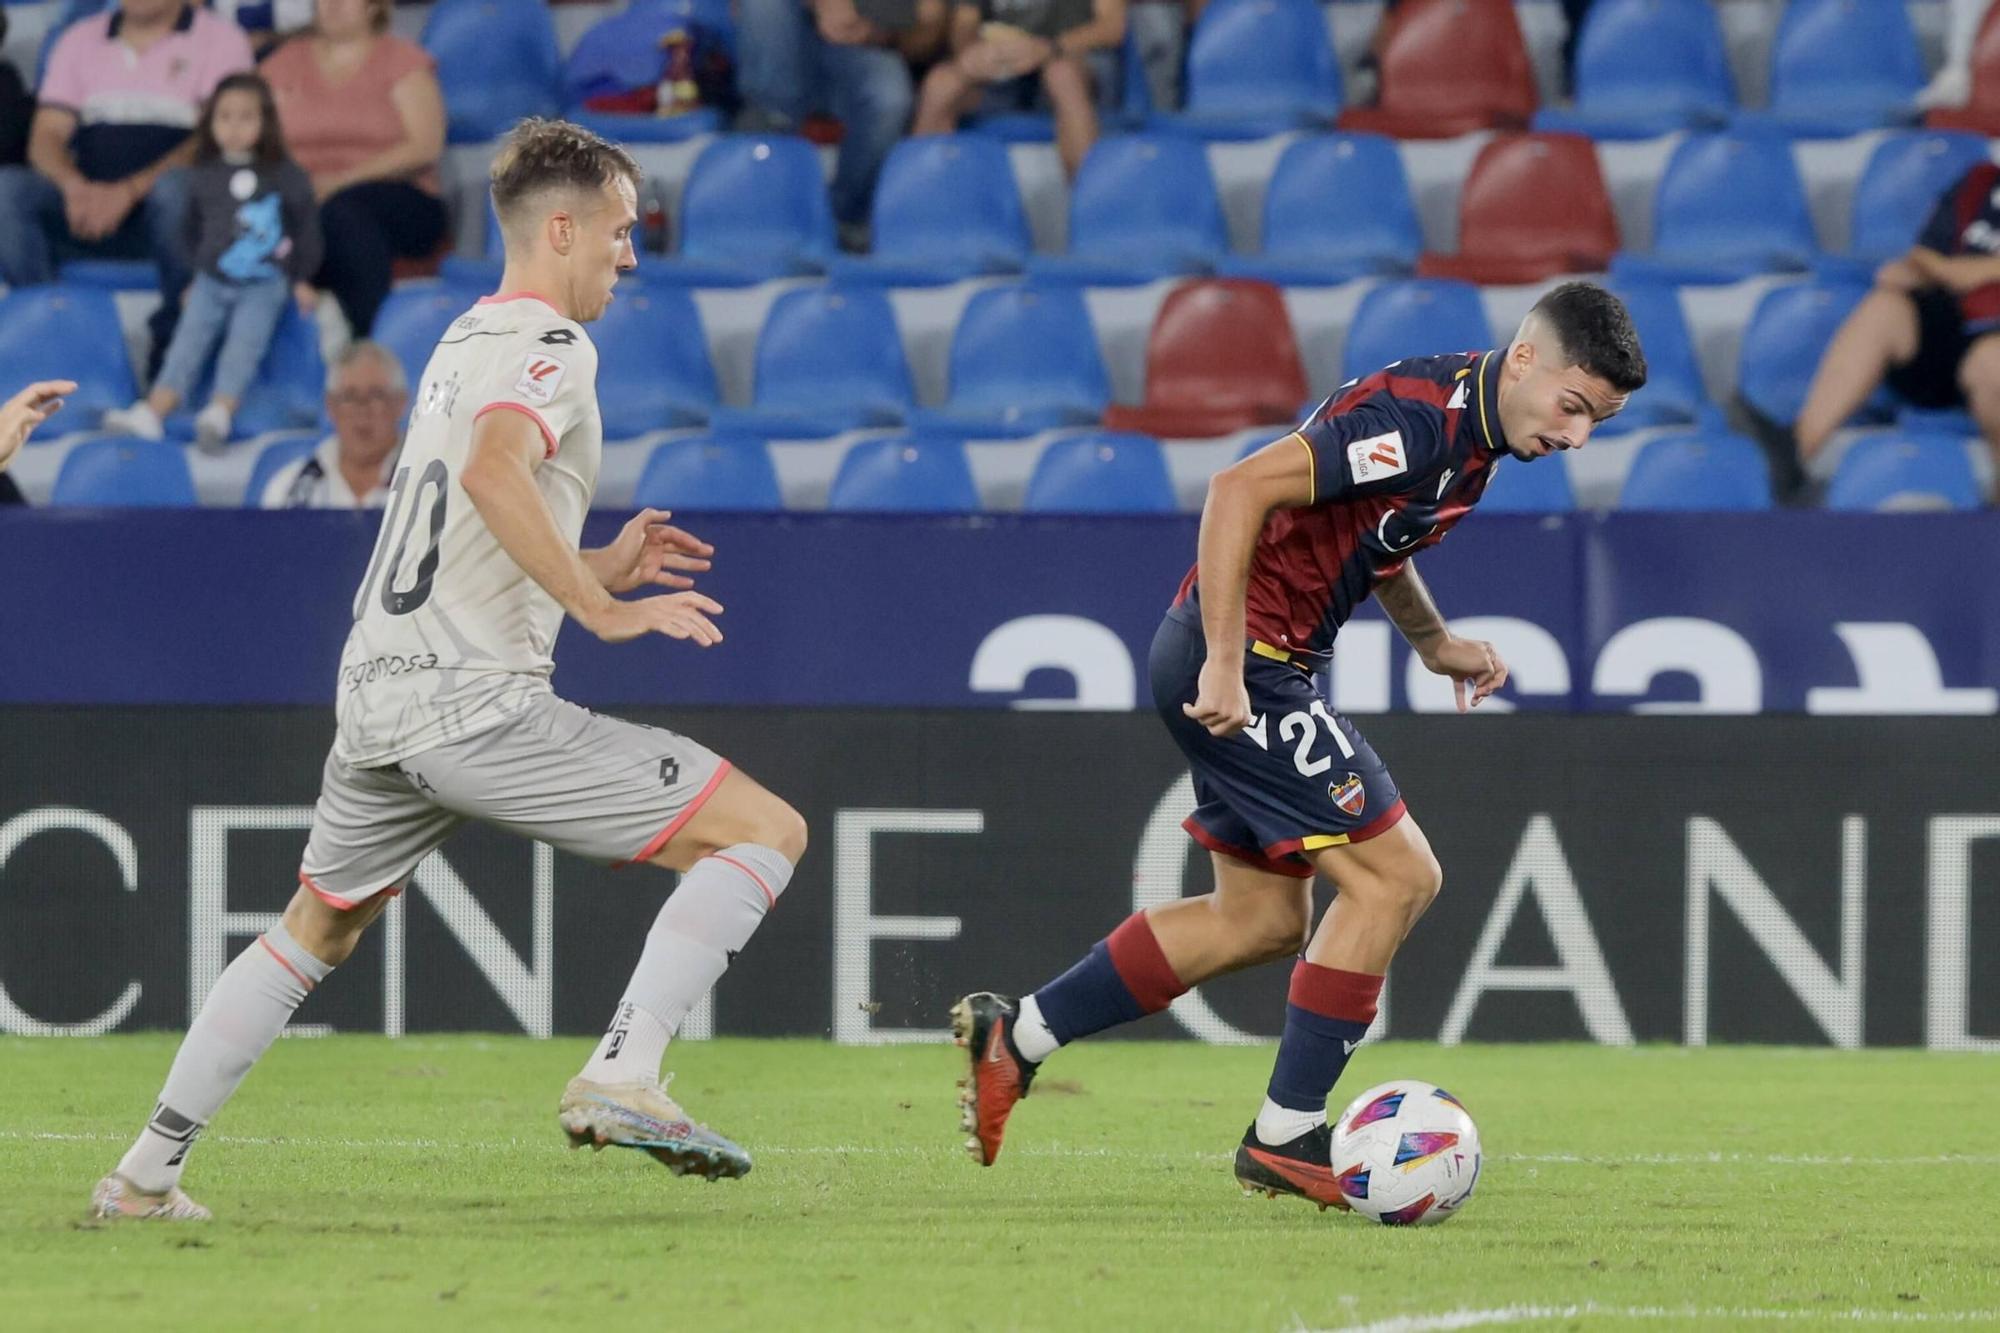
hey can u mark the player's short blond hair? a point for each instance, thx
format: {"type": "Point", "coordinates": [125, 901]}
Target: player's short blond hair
{"type": "Point", "coordinates": [542, 157]}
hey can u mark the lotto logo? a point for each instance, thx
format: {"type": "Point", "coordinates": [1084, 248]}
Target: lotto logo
{"type": "Point", "coordinates": [1377, 457]}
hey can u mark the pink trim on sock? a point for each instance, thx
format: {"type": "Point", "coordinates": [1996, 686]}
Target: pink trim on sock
{"type": "Point", "coordinates": [770, 898]}
{"type": "Point", "coordinates": [284, 962]}
{"type": "Point", "coordinates": [666, 835]}
{"type": "Point", "coordinates": [1351, 997]}
{"type": "Point", "coordinates": [1135, 952]}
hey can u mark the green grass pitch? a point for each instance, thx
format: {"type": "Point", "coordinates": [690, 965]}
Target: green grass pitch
{"type": "Point", "coordinates": [363, 1183]}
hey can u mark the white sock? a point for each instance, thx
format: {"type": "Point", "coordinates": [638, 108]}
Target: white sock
{"type": "Point", "coordinates": [1032, 1037]}
{"type": "Point", "coordinates": [250, 1005]}
{"type": "Point", "coordinates": [699, 932]}
{"type": "Point", "coordinates": [1279, 1124]}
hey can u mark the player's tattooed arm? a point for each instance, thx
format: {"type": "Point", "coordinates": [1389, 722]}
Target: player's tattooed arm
{"type": "Point", "coordinates": [1406, 600]}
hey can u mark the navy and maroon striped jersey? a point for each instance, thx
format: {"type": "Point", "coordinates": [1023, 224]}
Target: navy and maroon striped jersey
{"type": "Point", "coordinates": [1397, 459]}
{"type": "Point", "coordinates": [1966, 221]}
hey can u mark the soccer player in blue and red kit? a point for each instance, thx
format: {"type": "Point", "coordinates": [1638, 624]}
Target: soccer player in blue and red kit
{"type": "Point", "coordinates": [1293, 538]}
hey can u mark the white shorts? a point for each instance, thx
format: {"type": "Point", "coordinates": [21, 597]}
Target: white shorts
{"type": "Point", "coordinates": [605, 789]}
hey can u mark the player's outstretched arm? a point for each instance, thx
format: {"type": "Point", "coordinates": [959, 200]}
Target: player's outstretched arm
{"type": "Point", "coordinates": [649, 550]}
{"type": "Point", "coordinates": [1240, 498]}
{"type": "Point", "coordinates": [26, 410]}
{"type": "Point", "coordinates": [1406, 599]}
{"type": "Point", "coordinates": [499, 479]}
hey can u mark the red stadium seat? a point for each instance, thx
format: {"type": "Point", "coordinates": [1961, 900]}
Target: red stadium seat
{"type": "Point", "coordinates": [1450, 67]}
{"type": "Point", "coordinates": [1981, 113]}
{"type": "Point", "coordinates": [1222, 357]}
{"type": "Point", "coordinates": [1533, 206]}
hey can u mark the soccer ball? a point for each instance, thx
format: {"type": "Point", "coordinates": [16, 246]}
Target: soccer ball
{"type": "Point", "coordinates": [1406, 1154]}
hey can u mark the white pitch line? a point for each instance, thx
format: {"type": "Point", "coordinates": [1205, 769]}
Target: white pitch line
{"type": "Point", "coordinates": [1052, 1150]}
{"type": "Point", "coordinates": [1521, 1314]}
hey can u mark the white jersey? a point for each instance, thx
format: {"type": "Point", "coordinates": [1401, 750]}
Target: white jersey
{"type": "Point", "coordinates": [451, 636]}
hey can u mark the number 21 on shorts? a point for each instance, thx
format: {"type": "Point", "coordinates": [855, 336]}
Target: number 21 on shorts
{"type": "Point", "coordinates": [1297, 730]}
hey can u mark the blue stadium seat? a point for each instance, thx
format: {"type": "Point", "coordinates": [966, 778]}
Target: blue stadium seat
{"type": "Point", "coordinates": [482, 270]}
{"type": "Point", "coordinates": [1420, 317]}
{"type": "Point", "coordinates": [1904, 472]}
{"type": "Point", "coordinates": [1841, 67]}
{"type": "Point", "coordinates": [1023, 359]}
{"type": "Point", "coordinates": [653, 369]}
{"type": "Point", "coordinates": [1144, 206]}
{"type": "Point", "coordinates": [754, 208]}
{"type": "Point", "coordinates": [1716, 471]}
{"type": "Point", "coordinates": [69, 333]}
{"type": "Point", "coordinates": [906, 474]}
{"type": "Point", "coordinates": [1646, 68]}
{"type": "Point", "coordinates": [496, 62]}
{"type": "Point", "coordinates": [1728, 207]}
{"type": "Point", "coordinates": [711, 472]}
{"type": "Point", "coordinates": [289, 392]}
{"type": "Point", "coordinates": [1338, 207]}
{"type": "Point", "coordinates": [1521, 487]}
{"type": "Point", "coordinates": [1257, 68]}
{"type": "Point", "coordinates": [829, 359]}
{"type": "Point", "coordinates": [623, 52]}
{"type": "Point", "coordinates": [1905, 177]}
{"type": "Point", "coordinates": [946, 208]}
{"type": "Point", "coordinates": [413, 319]}
{"type": "Point", "coordinates": [270, 459]}
{"type": "Point", "coordinates": [1102, 473]}
{"type": "Point", "coordinates": [1784, 340]}
{"type": "Point", "coordinates": [119, 275]}
{"type": "Point", "coordinates": [1674, 393]}
{"type": "Point", "coordinates": [120, 473]}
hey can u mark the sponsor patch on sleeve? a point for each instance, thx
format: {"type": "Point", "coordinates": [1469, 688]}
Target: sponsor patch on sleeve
{"type": "Point", "coordinates": [1377, 457]}
{"type": "Point", "coordinates": [541, 375]}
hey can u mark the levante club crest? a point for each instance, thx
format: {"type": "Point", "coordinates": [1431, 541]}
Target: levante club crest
{"type": "Point", "coordinates": [1348, 794]}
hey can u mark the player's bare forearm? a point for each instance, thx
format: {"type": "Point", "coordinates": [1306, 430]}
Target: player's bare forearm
{"type": "Point", "coordinates": [1406, 600]}
{"type": "Point", "coordinates": [500, 481]}
{"type": "Point", "coordinates": [599, 560]}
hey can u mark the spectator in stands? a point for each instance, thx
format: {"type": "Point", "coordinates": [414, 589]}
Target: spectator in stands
{"type": "Point", "coordinates": [17, 108]}
{"type": "Point", "coordinates": [1927, 328]}
{"type": "Point", "coordinates": [1012, 49]}
{"type": "Point", "coordinates": [1951, 86]}
{"type": "Point", "coordinates": [254, 232]}
{"type": "Point", "coordinates": [121, 92]}
{"type": "Point", "coordinates": [364, 116]}
{"type": "Point", "coordinates": [848, 58]}
{"type": "Point", "coordinates": [365, 397]}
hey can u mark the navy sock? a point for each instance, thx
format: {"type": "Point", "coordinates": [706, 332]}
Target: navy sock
{"type": "Point", "coordinates": [1328, 1014]}
{"type": "Point", "coordinates": [1123, 977]}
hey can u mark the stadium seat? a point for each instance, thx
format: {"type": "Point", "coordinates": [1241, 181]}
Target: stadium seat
{"type": "Point", "coordinates": [496, 62]}
{"type": "Point", "coordinates": [906, 474]}
{"type": "Point", "coordinates": [1257, 68]}
{"type": "Point", "coordinates": [1103, 473]}
{"type": "Point", "coordinates": [412, 320]}
{"type": "Point", "coordinates": [1981, 113]}
{"type": "Point", "coordinates": [1698, 472]}
{"type": "Point", "coordinates": [1450, 67]}
{"type": "Point", "coordinates": [1532, 207]}
{"type": "Point", "coordinates": [946, 208]}
{"type": "Point", "coordinates": [1518, 486]}
{"type": "Point", "coordinates": [121, 473]}
{"type": "Point", "coordinates": [1420, 317]}
{"type": "Point", "coordinates": [271, 459]}
{"type": "Point", "coordinates": [1784, 340]}
{"type": "Point", "coordinates": [289, 392]}
{"type": "Point", "coordinates": [484, 269]}
{"type": "Point", "coordinates": [71, 333]}
{"type": "Point", "coordinates": [624, 51]}
{"type": "Point", "coordinates": [1728, 207]}
{"type": "Point", "coordinates": [829, 359]}
{"type": "Point", "coordinates": [1905, 177]}
{"type": "Point", "coordinates": [1904, 472]}
{"type": "Point", "coordinates": [1221, 357]}
{"type": "Point", "coordinates": [711, 472]}
{"type": "Point", "coordinates": [118, 275]}
{"type": "Point", "coordinates": [653, 369]}
{"type": "Point", "coordinates": [1841, 67]}
{"type": "Point", "coordinates": [1646, 68]}
{"type": "Point", "coordinates": [1674, 393]}
{"type": "Point", "coordinates": [1337, 208]}
{"type": "Point", "coordinates": [754, 208]}
{"type": "Point", "coordinates": [1023, 359]}
{"type": "Point", "coordinates": [1144, 206]}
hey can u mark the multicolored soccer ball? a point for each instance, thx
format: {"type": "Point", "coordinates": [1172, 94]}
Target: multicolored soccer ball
{"type": "Point", "coordinates": [1406, 1154]}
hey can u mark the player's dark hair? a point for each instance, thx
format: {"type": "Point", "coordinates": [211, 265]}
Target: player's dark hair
{"type": "Point", "coordinates": [1596, 333]}
{"type": "Point", "coordinates": [270, 149]}
{"type": "Point", "coordinates": [540, 156]}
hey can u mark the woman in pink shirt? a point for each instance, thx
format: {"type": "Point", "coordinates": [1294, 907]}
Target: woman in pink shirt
{"type": "Point", "coordinates": [364, 117]}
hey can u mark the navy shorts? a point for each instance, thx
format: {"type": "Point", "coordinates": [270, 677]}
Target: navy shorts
{"type": "Point", "coordinates": [1298, 779]}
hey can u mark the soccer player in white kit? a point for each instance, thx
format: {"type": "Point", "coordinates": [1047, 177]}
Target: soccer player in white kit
{"type": "Point", "coordinates": [445, 708]}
